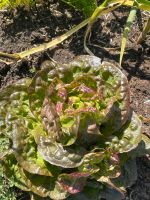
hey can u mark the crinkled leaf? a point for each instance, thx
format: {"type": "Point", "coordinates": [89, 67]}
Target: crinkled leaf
{"type": "Point", "coordinates": [131, 134]}
{"type": "Point", "coordinates": [103, 163]}
{"type": "Point", "coordinates": [25, 150]}
{"type": "Point", "coordinates": [55, 153]}
{"type": "Point", "coordinates": [12, 97]}
{"type": "Point", "coordinates": [37, 88]}
{"type": "Point", "coordinates": [21, 122]}
{"type": "Point", "coordinates": [119, 109]}
{"type": "Point", "coordinates": [91, 161]}
{"type": "Point", "coordinates": [58, 155]}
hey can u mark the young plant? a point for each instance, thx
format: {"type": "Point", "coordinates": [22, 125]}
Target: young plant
{"type": "Point", "coordinates": [71, 131]}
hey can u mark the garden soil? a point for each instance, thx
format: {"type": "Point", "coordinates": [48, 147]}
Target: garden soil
{"type": "Point", "coordinates": [22, 29]}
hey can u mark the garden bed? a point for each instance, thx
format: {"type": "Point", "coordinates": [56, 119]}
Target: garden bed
{"type": "Point", "coordinates": [23, 29]}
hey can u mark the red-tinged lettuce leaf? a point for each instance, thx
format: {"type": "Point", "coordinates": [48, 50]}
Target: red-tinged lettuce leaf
{"type": "Point", "coordinates": [62, 129]}
{"type": "Point", "coordinates": [112, 83]}
{"type": "Point", "coordinates": [74, 182]}
{"type": "Point", "coordinates": [38, 86]}
{"type": "Point", "coordinates": [45, 186]}
{"type": "Point", "coordinates": [85, 64]}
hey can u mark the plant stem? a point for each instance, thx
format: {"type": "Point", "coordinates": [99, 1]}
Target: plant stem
{"type": "Point", "coordinates": [144, 32]}
{"type": "Point", "coordinates": [14, 56]}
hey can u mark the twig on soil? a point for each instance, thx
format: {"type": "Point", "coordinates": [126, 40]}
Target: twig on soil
{"type": "Point", "coordinates": [21, 55]}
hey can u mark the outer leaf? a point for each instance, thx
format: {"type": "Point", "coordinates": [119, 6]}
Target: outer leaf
{"type": "Point", "coordinates": [142, 149]}
{"type": "Point", "coordinates": [58, 155]}
{"type": "Point", "coordinates": [25, 150]}
{"type": "Point", "coordinates": [128, 175]}
{"type": "Point", "coordinates": [11, 97]}
{"type": "Point", "coordinates": [41, 185]}
{"type": "Point", "coordinates": [96, 191]}
{"type": "Point", "coordinates": [131, 135]}
{"type": "Point", "coordinates": [100, 164]}
{"type": "Point", "coordinates": [12, 172]}
{"type": "Point", "coordinates": [55, 153]}
{"type": "Point", "coordinates": [18, 125]}
{"type": "Point", "coordinates": [74, 182]}
{"type": "Point", "coordinates": [37, 88]}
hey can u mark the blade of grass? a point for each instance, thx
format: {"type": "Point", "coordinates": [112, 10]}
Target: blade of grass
{"type": "Point", "coordinates": [127, 28]}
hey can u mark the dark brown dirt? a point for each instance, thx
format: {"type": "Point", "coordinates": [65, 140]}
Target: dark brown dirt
{"type": "Point", "coordinates": [21, 30]}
